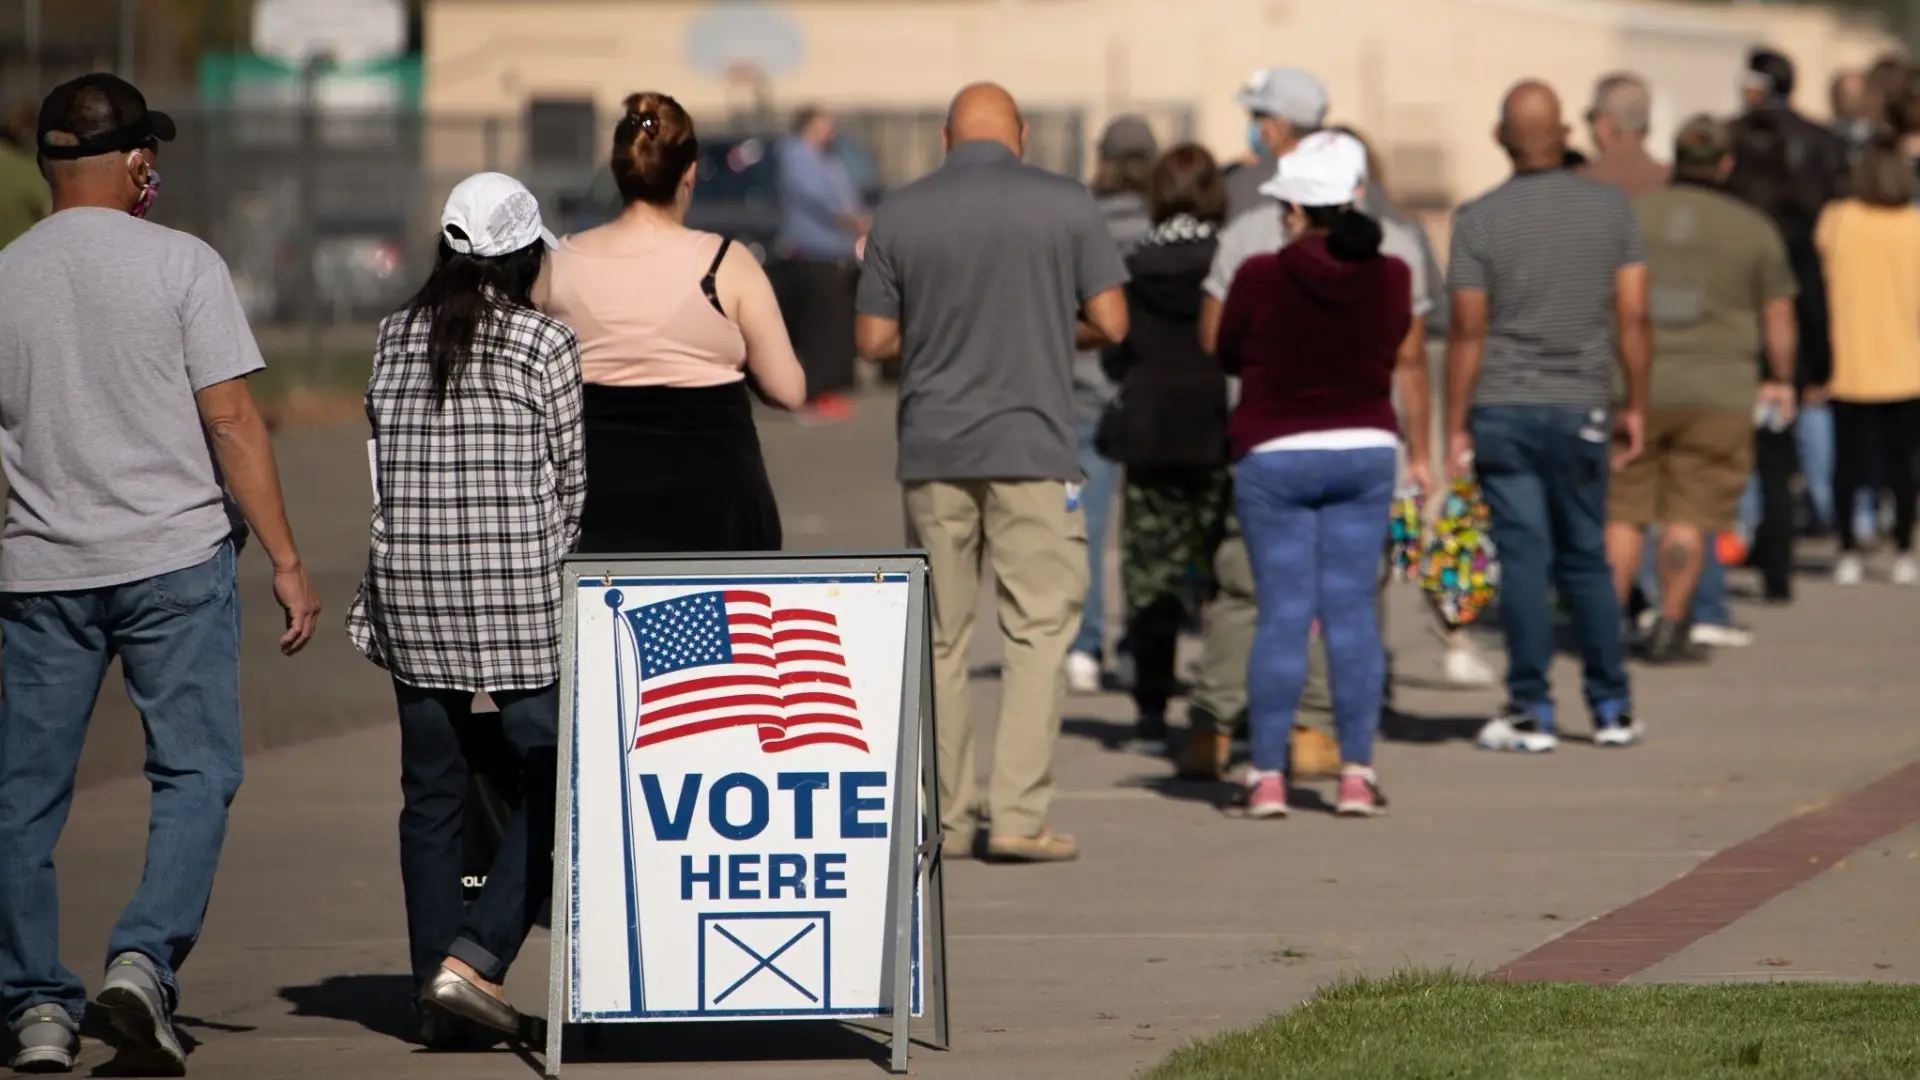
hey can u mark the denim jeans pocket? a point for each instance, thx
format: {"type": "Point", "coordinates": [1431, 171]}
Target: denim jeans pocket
{"type": "Point", "coordinates": [184, 592]}
{"type": "Point", "coordinates": [19, 607]}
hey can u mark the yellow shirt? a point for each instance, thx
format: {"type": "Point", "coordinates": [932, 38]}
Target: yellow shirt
{"type": "Point", "coordinates": [1871, 257]}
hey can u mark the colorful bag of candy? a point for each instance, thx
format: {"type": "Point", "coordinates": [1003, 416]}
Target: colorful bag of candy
{"type": "Point", "coordinates": [1406, 535]}
{"type": "Point", "coordinates": [1457, 565]}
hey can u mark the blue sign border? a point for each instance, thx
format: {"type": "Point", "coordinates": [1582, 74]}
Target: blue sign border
{"type": "Point", "coordinates": [636, 984]}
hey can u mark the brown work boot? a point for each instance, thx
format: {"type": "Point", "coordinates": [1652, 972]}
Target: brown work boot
{"type": "Point", "coordinates": [1315, 756]}
{"type": "Point", "coordinates": [1204, 757]}
{"type": "Point", "coordinates": [1049, 846]}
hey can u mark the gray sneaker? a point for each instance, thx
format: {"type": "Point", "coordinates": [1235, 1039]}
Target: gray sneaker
{"type": "Point", "coordinates": [48, 1040]}
{"type": "Point", "coordinates": [136, 1006]}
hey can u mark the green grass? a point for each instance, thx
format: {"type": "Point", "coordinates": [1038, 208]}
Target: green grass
{"type": "Point", "coordinates": [1429, 1026]}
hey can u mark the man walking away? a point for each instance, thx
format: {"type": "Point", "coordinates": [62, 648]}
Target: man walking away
{"type": "Point", "coordinates": [1549, 282]}
{"type": "Point", "coordinates": [1720, 289]}
{"type": "Point", "coordinates": [1619, 118]}
{"type": "Point", "coordinates": [129, 344]}
{"type": "Point", "coordinates": [1852, 117]}
{"type": "Point", "coordinates": [821, 221]}
{"type": "Point", "coordinates": [1284, 105]}
{"type": "Point", "coordinates": [1120, 179]}
{"type": "Point", "coordinates": [983, 278]}
{"type": "Point", "coordinates": [1814, 153]}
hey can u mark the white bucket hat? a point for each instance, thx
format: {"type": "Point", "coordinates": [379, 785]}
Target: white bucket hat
{"type": "Point", "coordinates": [491, 214]}
{"type": "Point", "coordinates": [1322, 171]}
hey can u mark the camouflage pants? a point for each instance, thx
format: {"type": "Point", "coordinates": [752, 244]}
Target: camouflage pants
{"type": "Point", "coordinates": [1174, 518]}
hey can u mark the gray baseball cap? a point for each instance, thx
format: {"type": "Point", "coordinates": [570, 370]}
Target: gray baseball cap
{"type": "Point", "coordinates": [1128, 136]}
{"type": "Point", "coordinates": [1286, 92]}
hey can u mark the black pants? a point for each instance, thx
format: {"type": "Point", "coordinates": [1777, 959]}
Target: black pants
{"type": "Point", "coordinates": [1892, 426]}
{"type": "Point", "coordinates": [1774, 459]}
{"type": "Point", "coordinates": [816, 297]}
{"type": "Point", "coordinates": [433, 782]}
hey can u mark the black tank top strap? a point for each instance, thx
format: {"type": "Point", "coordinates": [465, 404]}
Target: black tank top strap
{"type": "Point", "coordinates": [710, 285]}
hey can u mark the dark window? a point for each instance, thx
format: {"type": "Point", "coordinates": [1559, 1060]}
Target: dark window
{"type": "Point", "coordinates": [561, 132]}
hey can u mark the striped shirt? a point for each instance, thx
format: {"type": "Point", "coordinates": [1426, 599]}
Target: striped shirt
{"type": "Point", "coordinates": [1545, 247]}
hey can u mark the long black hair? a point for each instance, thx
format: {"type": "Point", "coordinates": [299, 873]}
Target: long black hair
{"type": "Point", "coordinates": [465, 292]}
{"type": "Point", "coordinates": [1351, 235]}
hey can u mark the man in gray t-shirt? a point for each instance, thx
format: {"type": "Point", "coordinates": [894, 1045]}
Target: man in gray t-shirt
{"type": "Point", "coordinates": [1545, 267]}
{"type": "Point", "coordinates": [123, 401]}
{"type": "Point", "coordinates": [983, 278]}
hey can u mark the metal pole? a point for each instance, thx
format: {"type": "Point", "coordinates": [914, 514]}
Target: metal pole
{"type": "Point", "coordinates": [309, 157]}
{"type": "Point", "coordinates": [129, 9]}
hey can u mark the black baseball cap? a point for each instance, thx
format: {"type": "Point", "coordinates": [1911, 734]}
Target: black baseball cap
{"type": "Point", "coordinates": [99, 114]}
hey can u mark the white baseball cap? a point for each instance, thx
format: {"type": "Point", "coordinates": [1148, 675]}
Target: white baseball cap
{"type": "Point", "coordinates": [1322, 171]}
{"type": "Point", "coordinates": [491, 214]}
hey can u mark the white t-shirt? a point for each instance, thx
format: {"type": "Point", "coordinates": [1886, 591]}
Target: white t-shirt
{"type": "Point", "coordinates": [1258, 231]}
{"type": "Point", "coordinates": [108, 327]}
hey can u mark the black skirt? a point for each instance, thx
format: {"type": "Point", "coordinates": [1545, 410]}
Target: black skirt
{"type": "Point", "coordinates": [673, 470]}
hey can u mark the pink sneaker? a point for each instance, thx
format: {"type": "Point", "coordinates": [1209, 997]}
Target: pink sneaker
{"type": "Point", "coordinates": [1267, 796]}
{"type": "Point", "coordinates": [1360, 794]}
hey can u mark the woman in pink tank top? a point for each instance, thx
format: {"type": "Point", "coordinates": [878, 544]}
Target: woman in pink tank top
{"type": "Point", "coordinates": [674, 326]}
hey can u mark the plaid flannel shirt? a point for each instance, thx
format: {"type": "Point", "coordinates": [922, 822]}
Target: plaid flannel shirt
{"type": "Point", "coordinates": [477, 502]}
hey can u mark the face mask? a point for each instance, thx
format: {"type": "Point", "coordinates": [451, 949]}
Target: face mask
{"type": "Point", "coordinates": [148, 193]}
{"type": "Point", "coordinates": [1255, 140]}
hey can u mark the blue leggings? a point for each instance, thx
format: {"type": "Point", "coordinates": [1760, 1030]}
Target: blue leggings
{"type": "Point", "coordinates": [1315, 522]}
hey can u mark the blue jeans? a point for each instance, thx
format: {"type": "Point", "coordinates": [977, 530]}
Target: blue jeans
{"type": "Point", "coordinates": [439, 746]}
{"type": "Point", "coordinates": [1709, 596]}
{"type": "Point", "coordinates": [1315, 522]}
{"type": "Point", "coordinates": [1096, 501]}
{"type": "Point", "coordinates": [1813, 442]}
{"type": "Point", "coordinates": [1544, 473]}
{"type": "Point", "coordinates": [178, 639]}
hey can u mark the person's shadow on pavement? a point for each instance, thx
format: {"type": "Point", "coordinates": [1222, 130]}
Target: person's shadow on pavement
{"type": "Point", "coordinates": [382, 1004]}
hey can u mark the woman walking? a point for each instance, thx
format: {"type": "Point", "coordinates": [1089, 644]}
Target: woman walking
{"type": "Point", "coordinates": [672, 324]}
{"type": "Point", "coordinates": [1168, 426]}
{"type": "Point", "coordinates": [1318, 334]}
{"type": "Point", "coordinates": [479, 478]}
{"type": "Point", "coordinates": [1870, 249]}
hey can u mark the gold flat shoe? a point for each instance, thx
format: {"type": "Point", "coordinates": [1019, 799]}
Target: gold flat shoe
{"type": "Point", "coordinates": [452, 993]}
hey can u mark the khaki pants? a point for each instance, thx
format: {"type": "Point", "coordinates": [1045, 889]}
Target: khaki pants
{"type": "Point", "coordinates": [1037, 547]}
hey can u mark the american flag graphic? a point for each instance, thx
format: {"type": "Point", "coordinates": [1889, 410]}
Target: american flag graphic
{"type": "Point", "coordinates": [730, 659]}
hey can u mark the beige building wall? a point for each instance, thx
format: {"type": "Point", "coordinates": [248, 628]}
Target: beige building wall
{"type": "Point", "coordinates": [1421, 77]}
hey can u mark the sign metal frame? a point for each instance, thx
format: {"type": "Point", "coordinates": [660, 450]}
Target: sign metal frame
{"type": "Point", "coordinates": [916, 865]}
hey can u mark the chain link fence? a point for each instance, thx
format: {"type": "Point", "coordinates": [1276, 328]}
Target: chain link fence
{"type": "Point", "coordinates": [329, 219]}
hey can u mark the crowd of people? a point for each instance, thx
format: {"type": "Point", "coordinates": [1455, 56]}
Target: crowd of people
{"type": "Point", "coordinates": [1637, 360]}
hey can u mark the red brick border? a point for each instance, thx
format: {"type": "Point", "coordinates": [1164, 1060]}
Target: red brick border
{"type": "Point", "coordinates": [1713, 895]}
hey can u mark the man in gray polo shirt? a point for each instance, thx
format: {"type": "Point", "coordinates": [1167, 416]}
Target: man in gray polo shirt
{"type": "Point", "coordinates": [123, 403]}
{"type": "Point", "coordinates": [1549, 282]}
{"type": "Point", "coordinates": [983, 278]}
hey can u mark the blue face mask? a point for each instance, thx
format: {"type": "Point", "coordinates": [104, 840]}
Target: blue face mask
{"type": "Point", "coordinates": [1256, 142]}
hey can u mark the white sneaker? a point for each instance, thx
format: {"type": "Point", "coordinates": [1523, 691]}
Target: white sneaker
{"type": "Point", "coordinates": [1848, 570]}
{"type": "Point", "coordinates": [1083, 673]}
{"type": "Point", "coordinates": [1905, 572]}
{"type": "Point", "coordinates": [1505, 733]}
{"type": "Point", "coordinates": [1464, 667]}
{"type": "Point", "coordinates": [1716, 636]}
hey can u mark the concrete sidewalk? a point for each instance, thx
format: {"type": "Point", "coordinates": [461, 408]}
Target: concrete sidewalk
{"type": "Point", "coordinates": [1178, 922]}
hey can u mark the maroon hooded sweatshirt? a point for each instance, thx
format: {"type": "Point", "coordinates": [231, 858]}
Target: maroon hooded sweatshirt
{"type": "Point", "coordinates": [1314, 341]}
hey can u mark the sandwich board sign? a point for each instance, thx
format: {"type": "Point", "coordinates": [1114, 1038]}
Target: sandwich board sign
{"type": "Point", "coordinates": [744, 794]}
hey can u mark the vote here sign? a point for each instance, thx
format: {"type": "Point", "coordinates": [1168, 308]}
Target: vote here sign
{"type": "Point", "coordinates": [734, 782]}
